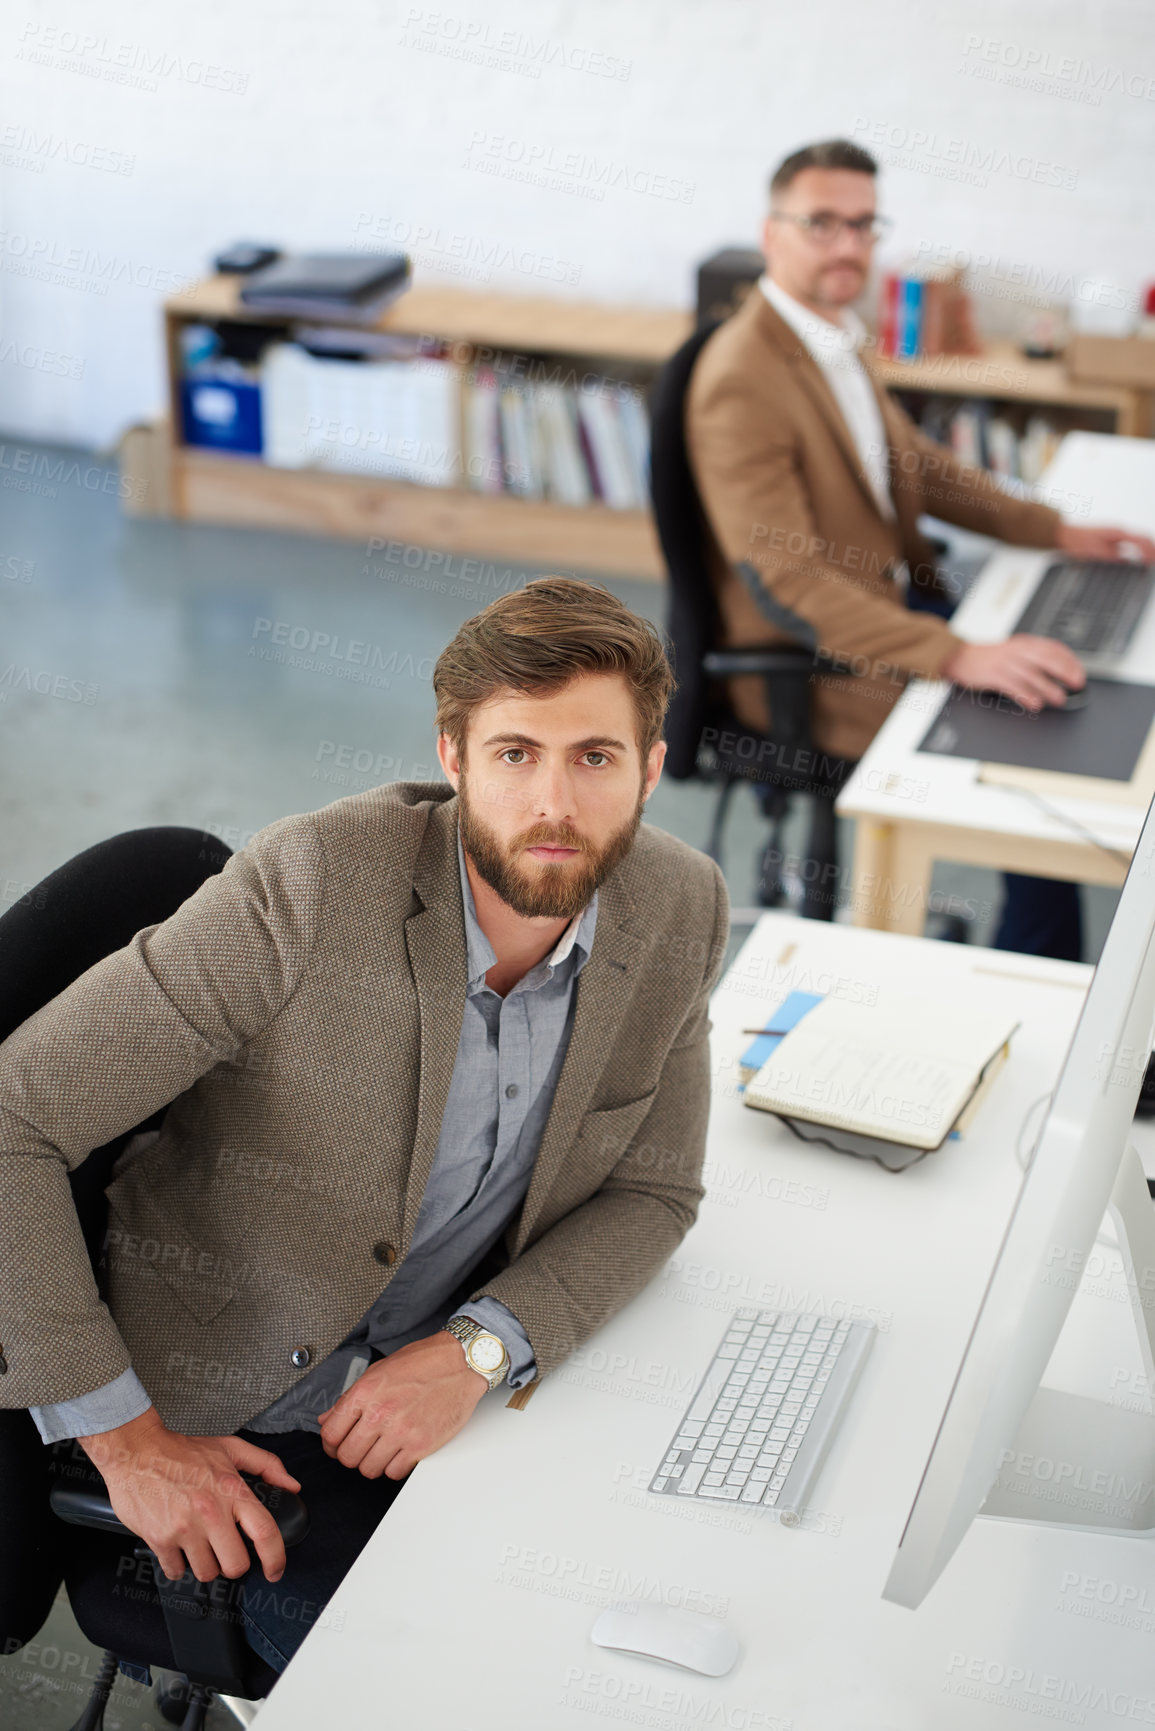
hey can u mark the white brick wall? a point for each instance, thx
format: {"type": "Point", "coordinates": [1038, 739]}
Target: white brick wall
{"type": "Point", "coordinates": [593, 149]}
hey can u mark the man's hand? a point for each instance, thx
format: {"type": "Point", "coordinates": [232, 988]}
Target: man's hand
{"type": "Point", "coordinates": [402, 1408]}
{"type": "Point", "coordinates": [1104, 543]}
{"type": "Point", "coordinates": [185, 1497]}
{"type": "Point", "coordinates": [1032, 670]}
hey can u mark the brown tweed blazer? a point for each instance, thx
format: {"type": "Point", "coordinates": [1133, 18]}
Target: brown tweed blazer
{"type": "Point", "coordinates": [783, 489]}
{"type": "Point", "coordinates": [301, 1012]}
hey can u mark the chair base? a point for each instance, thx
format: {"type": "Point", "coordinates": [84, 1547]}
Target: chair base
{"type": "Point", "coordinates": [172, 1700]}
{"type": "Point", "coordinates": [819, 869]}
{"type": "Point", "coordinates": [198, 1701]}
{"type": "Point", "coordinates": [92, 1718]}
{"type": "Point", "coordinates": [178, 1701]}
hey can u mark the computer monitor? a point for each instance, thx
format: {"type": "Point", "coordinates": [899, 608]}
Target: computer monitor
{"type": "Point", "coordinates": [1074, 1462]}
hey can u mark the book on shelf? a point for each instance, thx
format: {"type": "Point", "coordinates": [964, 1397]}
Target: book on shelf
{"type": "Point", "coordinates": [482, 428]}
{"type": "Point", "coordinates": [538, 453]}
{"type": "Point", "coordinates": [922, 313]}
{"type": "Point", "coordinates": [992, 436]}
{"type": "Point", "coordinates": [522, 473]}
{"type": "Point", "coordinates": [1037, 447]}
{"type": "Point", "coordinates": [636, 427]}
{"type": "Point", "coordinates": [606, 437]}
{"type": "Point", "coordinates": [568, 477]}
{"type": "Point", "coordinates": [413, 414]}
{"type": "Point", "coordinates": [397, 419]}
{"type": "Point", "coordinates": [909, 335]}
{"type": "Point", "coordinates": [1002, 447]}
{"type": "Point", "coordinates": [968, 434]}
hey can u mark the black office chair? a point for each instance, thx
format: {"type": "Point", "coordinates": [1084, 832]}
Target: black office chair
{"type": "Point", "coordinates": [704, 737]}
{"type": "Point", "coordinates": [56, 1521]}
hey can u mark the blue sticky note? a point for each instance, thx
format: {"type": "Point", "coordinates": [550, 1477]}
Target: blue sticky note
{"type": "Point", "coordinates": [784, 1016]}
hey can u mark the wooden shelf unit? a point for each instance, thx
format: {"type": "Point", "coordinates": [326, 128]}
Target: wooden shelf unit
{"type": "Point", "coordinates": [1003, 374]}
{"type": "Point", "coordinates": [216, 487]}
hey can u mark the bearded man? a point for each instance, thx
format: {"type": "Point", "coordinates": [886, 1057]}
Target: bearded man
{"type": "Point", "coordinates": [424, 1134]}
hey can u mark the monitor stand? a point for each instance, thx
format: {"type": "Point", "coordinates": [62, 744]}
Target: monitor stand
{"type": "Point", "coordinates": [1082, 1463]}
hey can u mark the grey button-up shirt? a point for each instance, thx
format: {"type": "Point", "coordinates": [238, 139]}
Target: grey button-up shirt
{"type": "Point", "coordinates": [509, 1058]}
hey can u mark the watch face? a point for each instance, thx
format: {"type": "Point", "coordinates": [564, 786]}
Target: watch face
{"type": "Point", "coordinates": [486, 1352]}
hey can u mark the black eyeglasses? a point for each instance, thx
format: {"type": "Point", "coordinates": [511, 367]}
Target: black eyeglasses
{"type": "Point", "coordinates": [824, 226]}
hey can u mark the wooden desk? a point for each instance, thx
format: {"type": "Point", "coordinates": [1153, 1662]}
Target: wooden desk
{"type": "Point", "coordinates": [913, 808]}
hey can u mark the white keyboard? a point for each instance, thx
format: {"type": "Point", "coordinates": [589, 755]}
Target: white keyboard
{"type": "Point", "coordinates": [765, 1413]}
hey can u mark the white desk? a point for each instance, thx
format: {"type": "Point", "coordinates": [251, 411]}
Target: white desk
{"type": "Point", "coordinates": [470, 1608]}
{"type": "Point", "coordinates": [913, 807]}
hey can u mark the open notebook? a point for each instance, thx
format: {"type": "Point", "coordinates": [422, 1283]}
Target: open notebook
{"type": "Point", "coordinates": [903, 1072]}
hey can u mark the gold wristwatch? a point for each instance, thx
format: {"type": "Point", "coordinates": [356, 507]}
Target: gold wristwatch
{"type": "Point", "coordinates": [484, 1352]}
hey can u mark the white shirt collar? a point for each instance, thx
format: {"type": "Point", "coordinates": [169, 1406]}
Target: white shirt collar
{"type": "Point", "coordinates": [565, 943]}
{"type": "Point", "coordinates": [830, 344]}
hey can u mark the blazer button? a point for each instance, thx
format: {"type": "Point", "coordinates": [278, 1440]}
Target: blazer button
{"type": "Point", "coordinates": [3, 1365]}
{"type": "Point", "coordinates": [384, 1253]}
{"type": "Point", "coordinates": [299, 1356]}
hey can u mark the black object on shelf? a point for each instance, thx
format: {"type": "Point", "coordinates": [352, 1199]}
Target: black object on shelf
{"type": "Point", "coordinates": [724, 281]}
{"type": "Point", "coordinates": [246, 343]}
{"type": "Point", "coordinates": [352, 277]}
{"type": "Point", "coordinates": [245, 256]}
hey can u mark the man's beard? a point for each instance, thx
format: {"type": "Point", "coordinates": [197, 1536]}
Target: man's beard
{"type": "Point", "coordinates": [554, 891]}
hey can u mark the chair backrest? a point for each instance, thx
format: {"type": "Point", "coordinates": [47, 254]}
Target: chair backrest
{"type": "Point", "coordinates": [87, 908]}
{"type": "Point", "coordinates": [83, 911]}
{"type": "Point", "coordinates": [691, 610]}
{"type": "Point", "coordinates": [94, 904]}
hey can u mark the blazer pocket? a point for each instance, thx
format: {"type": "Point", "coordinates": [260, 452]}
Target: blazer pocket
{"type": "Point", "coordinates": [607, 1132]}
{"type": "Point", "coordinates": [200, 1279]}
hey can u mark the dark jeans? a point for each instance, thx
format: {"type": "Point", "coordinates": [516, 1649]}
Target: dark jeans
{"type": "Point", "coordinates": [344, 1509]}
{"type": "Point", "coordinates": [1040, 916]}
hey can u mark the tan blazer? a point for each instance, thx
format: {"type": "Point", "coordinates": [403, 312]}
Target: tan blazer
{"type": "Point", "coordinates": [301, 1011]}
{"type": "Point", "coordinates": [783, 489]}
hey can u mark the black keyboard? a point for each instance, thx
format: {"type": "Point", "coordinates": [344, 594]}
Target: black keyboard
{"type": "Point", "coordinates": [1092, 606]}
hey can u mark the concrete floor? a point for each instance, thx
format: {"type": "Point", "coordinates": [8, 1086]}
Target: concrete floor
{"type": "Point", "coordinates": [46, 1686]}
{"type": "Point", "coordinates": [137, 687]}
{"type": "Point", "coordinates": [138, 684]}
{"type": "Point", "coordinates": [171, 707]}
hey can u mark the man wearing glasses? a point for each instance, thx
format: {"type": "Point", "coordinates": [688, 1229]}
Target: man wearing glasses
{"type": "Point", "coordinates": [813, 479]}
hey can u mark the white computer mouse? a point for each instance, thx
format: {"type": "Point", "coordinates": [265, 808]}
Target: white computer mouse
{"type": "Point", "coordinates": [668, 1633]}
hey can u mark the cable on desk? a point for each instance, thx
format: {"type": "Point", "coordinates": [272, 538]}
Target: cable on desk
{"type": "Point", "coordinates": [1071, 823]}
{"type": "Point", "coordinates": [1025, 1160]}
{"type": "Point", "coordinates": [826, 1143]}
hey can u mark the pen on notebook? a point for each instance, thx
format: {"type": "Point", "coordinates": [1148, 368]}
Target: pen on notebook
{"type": "Point", "coordinates": [767, 1030]}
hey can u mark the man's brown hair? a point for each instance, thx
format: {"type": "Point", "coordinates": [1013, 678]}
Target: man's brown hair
{"type": "Point", "coordinates": [831, 153]}
{"type": "Point", "coordinates": [536, 639]}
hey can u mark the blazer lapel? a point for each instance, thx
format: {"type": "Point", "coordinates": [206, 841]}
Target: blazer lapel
{"type": "Point", "coordinates": [435, 940]}
{"type": "Point", "coordinates": [604, 987]}
{"type": "Point", "coordinates": [812, 381]}
{"type": "Point", "coordinates": [907, 500]}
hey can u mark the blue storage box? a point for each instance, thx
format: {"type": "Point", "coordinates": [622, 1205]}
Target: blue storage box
{"type": "Point", "coordinates": [221, 413]}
